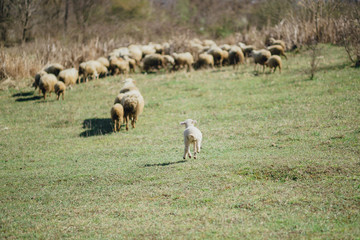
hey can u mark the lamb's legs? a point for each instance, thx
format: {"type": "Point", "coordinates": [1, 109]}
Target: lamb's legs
{"type": "Point", "coordinates": [195, 143]}
{"type": "Point", "coordinates": [63, 95]}
{"type": "Point", "coordinates": [57, 98]}
{"type": "Point", "coordinates": [198, 145]}
{"type": "Point", "coordinates": [187, 151]}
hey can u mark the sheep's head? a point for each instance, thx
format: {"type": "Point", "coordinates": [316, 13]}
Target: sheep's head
{"type": "Point", "coordinates": [188, 123]}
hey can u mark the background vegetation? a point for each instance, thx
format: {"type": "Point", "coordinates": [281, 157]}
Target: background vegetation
{"type": "Point", "coordinates": [36, 32]}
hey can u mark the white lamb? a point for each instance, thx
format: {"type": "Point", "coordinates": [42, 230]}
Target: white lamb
{"type": "Point", "coordinates": [191, 135]}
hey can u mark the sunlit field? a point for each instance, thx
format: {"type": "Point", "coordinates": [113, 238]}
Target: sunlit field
{"type": "Point", "coordinates": [280, 157]}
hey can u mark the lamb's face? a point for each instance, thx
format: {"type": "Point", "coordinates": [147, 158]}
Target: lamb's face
{"type": "Point", "coordinates": [188, 123]}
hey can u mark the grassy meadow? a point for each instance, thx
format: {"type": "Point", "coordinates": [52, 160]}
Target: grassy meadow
{"type": "Point", "coordinates": [280, 157]}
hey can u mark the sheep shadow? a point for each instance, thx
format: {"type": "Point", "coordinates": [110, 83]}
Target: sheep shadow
{"type": "Point", "coordinates": [23, 94]}
{"type": "Point", "coordinates": [33, 98]}
{"type": "Point", "coordinates": [164, 164]}
{"type": "Point", "coordinates": [96, 127]}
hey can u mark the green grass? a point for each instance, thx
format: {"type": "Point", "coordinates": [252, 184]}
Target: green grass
{"type": "Point", "coordinates": [280, 157]}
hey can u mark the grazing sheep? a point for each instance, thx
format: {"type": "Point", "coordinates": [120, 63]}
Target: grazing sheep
{"type": "Point", "coordinates": [117, 116]}
{"type": "Point", "coordinates": [277, 50]}
{"type": "Point", "coordinates": [37, 79]}
{"type": "Point", "coordinates": [147, 50]}
{"type": "Point", "coordinates": [236, 56]}
{"type": "Point", "coordinates": [131, 62]}
{"type": "Point", "coordinates": [103, 61]}
{"type": "Point", "coordinates": [169, 61]}
{"type": "Point", "coordinates": [277, 42]}
{"type": "Point", "coordinates": [54, 68]}
{"type": "Point", "coordinates": [158, 48]}
{"type": "Point", "coordinates": [225, 47]}
{"type": "Point", "coordinates": [60, 89]}
{"type": "Point", "coordinates": [100, 68]}
{"type": "Point", "coordinates": [135, 53]}
{"type": "Point", "coordinates": [119, 65]}
{"type": "Point", "coordinates": [153, 61]}
{"type": "Point", "coordinates": [225, 57]}
{"type": "Point", "coordinates": [167, 48]}
{"type": "Point", "coordinates": [87, 70]}
{"type": "Point", "coordinates": [192, 135]}
{"type": "Point", "coordinates": [205, 60]}
{"type": "Point", "coordinates": [217, 54]}
{"type": "Point", "coordinates": [133, 103]}
{"type": "Point", "coordinates": [246, 49]}
{"type": "Point", "coordinates": [208, 43]}
{"type": "Point", "coordinates": [273, 62]}
{"type": "Point", "coordinates": [129, 85]}
{"type": "Point", "coordinates": [118, 98]}
{"type": "Point", "coordinates": [260, 57]}
{"type": "Point", "coordinates": [69, 76]}
{"type": "Point", "coordinates": [47, 83]}
{"type": "Point", "coordinates": [182, 60]}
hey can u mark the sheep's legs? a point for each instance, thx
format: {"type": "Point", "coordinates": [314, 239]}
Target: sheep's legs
{"type": "Point", "coordinates": [63, 95]}
{"type": "Point", "coordinates": [198, 145]}
{"type": "Point", "coordinates": [127, 123]}
{"type": "Point", "coordinates": [195, 144]}
{"type": "Point", "coordinates": [187, 151]}
{"type": "Point", "coordinates": [57, 98]}
{"type": "Point", "coordinates": [115, 125]}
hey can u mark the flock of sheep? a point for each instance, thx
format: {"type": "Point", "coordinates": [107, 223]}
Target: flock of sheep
{"type": "Point", "coordinates": [153, 57]}
{"type": "Point", "coordinates": [129, 103]}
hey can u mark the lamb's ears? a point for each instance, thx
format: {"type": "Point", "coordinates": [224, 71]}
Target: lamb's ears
{"type": "Point", "coordinates": [194, 121]}
{"type": "Point", "coordinates": [182, 123]}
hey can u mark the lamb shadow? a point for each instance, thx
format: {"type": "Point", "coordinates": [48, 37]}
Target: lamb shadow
{"type": "Point", "coordinates": [33, 98]}
{"type": "Point", "coordinates": [96, 127]}
{"type": "Point", "coordinates": [164, 164]}
{"type": "Point", "coordinates": [23, 94]}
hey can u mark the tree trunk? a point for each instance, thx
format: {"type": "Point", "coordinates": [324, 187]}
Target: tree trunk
{"type": "Point", "coordinates": [66, 15]}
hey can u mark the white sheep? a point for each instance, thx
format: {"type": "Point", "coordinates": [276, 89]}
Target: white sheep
{"type": "Point", "coordinates": [86, 70]}
{"type": "Point", "coordinates": [191, 135]}
{"type": "Point", "coordinates": [182, 60]}
{"type": "Point", "coordinates": [69, 76]}
{"type": "Point", "coordinates": [133, 103]}
{"type": "Point", "coordinates": [129, 85]}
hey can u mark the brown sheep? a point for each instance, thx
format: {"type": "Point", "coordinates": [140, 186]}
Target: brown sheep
{"type": "Point", "coordinates": [54, 68]}
{"type": "Point", "coordinates": [205, 60]}
{"type": "Point", "coordinates": [273, 62]}
{"type": "Point", "coordinates": [277, 42]}
{"type": "Point", "coordinates": [47, 83]}
{"type": "Point", "coordinates": [118, 98]}
{"type": "Point", "coordinates": [260, 57]}
{"type": "Point", "coordinates": [277, 50]}
{"type": "Point", "coordinates": [119, 65]}
{"type": "Point", "coordinates": [60, 89]}
{"type": "Point", "coordinates": [236, 56]}
{"type": "Point", "coordinates": [153, 61]}
{"type": "Point", "coordinates": [217, 54]}
{"type": "Point", "coordinates": [37, 79]}
{"type": "Point", "coordinates": [117, 116]}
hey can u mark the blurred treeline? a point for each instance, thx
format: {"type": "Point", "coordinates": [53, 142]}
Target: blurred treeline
{"type": "Point", "coordinates": [156, 20]}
